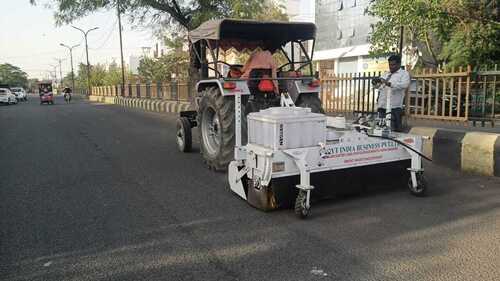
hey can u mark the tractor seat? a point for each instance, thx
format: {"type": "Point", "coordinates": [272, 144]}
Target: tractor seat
{"type": "Point", "coordinates": [234, 71]}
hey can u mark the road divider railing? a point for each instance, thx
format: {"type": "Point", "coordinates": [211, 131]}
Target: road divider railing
{"type": "Point", "coordinates": [172, 91]}
{"type": "Point", "coordinates": [153, 105]}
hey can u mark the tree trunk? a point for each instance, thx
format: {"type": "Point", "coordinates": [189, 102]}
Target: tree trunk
{"type": "Point", "coordinates": [429, 48]}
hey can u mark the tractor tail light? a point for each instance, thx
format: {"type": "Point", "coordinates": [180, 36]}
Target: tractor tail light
{"type": "Point", "coordinates": [229, 85]}
{"type": "Point", "coordinates": [314, 83]}
{"type": "Point", "coordinates": [266, 86]}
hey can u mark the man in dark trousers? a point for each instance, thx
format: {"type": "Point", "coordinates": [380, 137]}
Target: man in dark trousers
{"type": "Point", "coordinates": [397, 80]}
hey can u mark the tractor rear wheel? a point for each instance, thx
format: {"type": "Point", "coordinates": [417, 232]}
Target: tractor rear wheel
{"type": "Point", "coordinates": [311, 101]}
{"type": "Point", "coordinates": [216, 123]}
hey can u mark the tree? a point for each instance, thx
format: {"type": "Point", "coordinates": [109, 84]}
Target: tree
{"type": "Point", "coordinates": [150, 70]}
{"type": "Point", "coordinates": [454, 32]}
{"type": "Point", "coordinates": [184, 13]}
{"type": "Point", "coordinates": [81, 77]}
{"type": "Point", "coordinates": [113, 75]}
{"type": "Point", "coordinates": [475, 38]}
{"type": "Point", "coordinates": [174, 63]}
{"type": "Point", "coordinates": [100, 75]}
{"type": "Point", "coordinates": [13, 75]}
{"type": "Point", "coordinates": [172, 15]}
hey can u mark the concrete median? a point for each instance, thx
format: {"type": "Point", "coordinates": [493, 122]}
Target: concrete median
{"type": "Point", "coordinates": [472, 152]}
{"type": "Point", "coordinates": [152, 105]}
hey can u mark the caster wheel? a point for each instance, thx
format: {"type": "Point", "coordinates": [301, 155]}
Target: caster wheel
{"type": "Point", "coordinates": [184, 137]}
{"type": "Point", "coordinates": [301, 209]}
{"type": "Point", "coordinates": [421, 189]}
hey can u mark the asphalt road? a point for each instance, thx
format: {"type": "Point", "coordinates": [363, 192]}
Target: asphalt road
{"type": "Point", "coordinates": [99, 192]}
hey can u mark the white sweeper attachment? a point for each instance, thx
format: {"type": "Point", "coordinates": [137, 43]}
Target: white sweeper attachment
{"type": "Point", "coordinates": [293, 154]}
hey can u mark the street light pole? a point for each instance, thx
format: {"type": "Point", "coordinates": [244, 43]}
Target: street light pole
{"type": "Point", "coordinates": [87, 52]}
{"type": "Point", "coordinates": [71, 57]}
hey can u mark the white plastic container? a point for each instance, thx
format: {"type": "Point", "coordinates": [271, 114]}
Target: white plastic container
{"type": "Point", "coordinates": [286, 127]}
{"type": "Point", "coordinates": [332, 134]}
{"type": "Point", "coordinates": [336, 122]}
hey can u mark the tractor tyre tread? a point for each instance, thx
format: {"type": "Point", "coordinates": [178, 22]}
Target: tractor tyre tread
{"type": "Point", "coordinates": [183, 123]}
{"type": "Point", "coordinates": [224, 107]}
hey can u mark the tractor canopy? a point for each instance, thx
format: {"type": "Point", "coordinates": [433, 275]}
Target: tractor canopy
{"type": "Point", "coordinates": [250, 34]}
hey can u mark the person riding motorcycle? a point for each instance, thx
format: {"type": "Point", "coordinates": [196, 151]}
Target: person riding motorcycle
{"type": "Point", "coordinates": [67, 93]}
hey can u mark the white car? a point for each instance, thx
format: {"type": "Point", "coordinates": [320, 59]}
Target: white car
{"type": "Point", "coordinates": [20, 93]}
{"type": "Point", "coordinates": [6, 96]}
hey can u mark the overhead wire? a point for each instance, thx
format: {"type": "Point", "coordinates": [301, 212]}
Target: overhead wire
{"type": "Point", "coordinates": [107, 37]}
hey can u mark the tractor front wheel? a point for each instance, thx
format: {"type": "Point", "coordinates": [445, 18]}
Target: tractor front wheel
{"type": "Point", "coordinates": [301, 208]}
{"type": "Point", "coordinates": [421, 189]}
{"type": "Point", "coordinates": [184, 138]}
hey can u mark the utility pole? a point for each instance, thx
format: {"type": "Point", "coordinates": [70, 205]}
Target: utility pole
{"type": "Point", "coordinates": [71, 56]}
{"type": "Point", "coordinates": [85, 33]}
{"type": "Point", "coordinates": [121, 47]}
{"type": "Point", "coordinates": [55, 71]}
{"type": "Point", "coordinates": [60, 70]}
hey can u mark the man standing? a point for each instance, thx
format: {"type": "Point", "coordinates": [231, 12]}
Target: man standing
{"type": "Point", "coordinates": [397, 80]}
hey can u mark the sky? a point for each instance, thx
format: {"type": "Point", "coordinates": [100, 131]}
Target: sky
{"type": "Point", "coordinates": [30, 39]}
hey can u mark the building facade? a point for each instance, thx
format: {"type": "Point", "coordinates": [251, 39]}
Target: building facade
{"type": "Point", "coordinates": [300, 10]}
{"type": "Point", "coordinates": [342, 39]}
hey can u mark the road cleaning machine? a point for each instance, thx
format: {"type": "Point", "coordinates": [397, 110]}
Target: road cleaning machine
{"type": "Point", "coordinates": [278, 146]}
{"type": "Point", "coordinates": [288, 142]}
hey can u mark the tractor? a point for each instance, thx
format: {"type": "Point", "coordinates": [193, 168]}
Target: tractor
{"type": "Point", "coordinates": [295, 81]}
{"type": "Point", "coordinates": [264, 123]}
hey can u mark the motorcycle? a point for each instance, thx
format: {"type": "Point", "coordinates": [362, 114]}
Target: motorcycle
{"type": "Point", "coordinates": [67, 97]}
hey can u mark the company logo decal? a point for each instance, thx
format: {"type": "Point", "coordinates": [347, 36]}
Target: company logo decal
{"type": "Point", "coordinates": [360, 149]}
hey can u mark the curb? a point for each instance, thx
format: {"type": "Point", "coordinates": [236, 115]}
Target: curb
{"type": "Point", "coordinates": [471, 152]}
{"type": "Point", "coordinates": [145, 104]}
